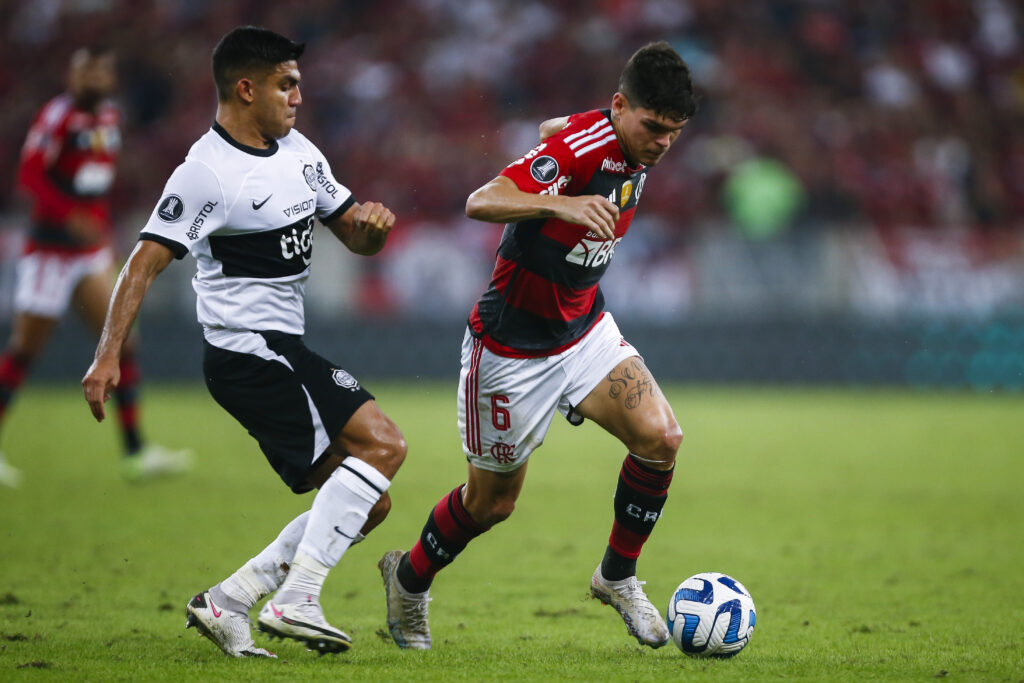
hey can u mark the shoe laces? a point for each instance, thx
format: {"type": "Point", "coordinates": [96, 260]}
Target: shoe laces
{"type": "Point", "coordinates": [414, 611]}
{"type": "Point", "coordinates": [632, 590]}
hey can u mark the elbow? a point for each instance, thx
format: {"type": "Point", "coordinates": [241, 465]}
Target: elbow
{"type": "Point", "coordinates": [475, 207]}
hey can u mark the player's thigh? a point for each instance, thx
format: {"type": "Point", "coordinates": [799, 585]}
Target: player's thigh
{"type": "Point", "coordinates": [92, 296]}
{"type": "Point", "coordinates": [629, 404]}
{"type": "Point", "coordinates": [505, 405]}
{"type": "Point", "coordinates": [29, 334]}
{"type": "Point", "coordinates": [490, 496]}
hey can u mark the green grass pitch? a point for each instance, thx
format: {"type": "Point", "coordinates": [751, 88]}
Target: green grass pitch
{"type": "Point", "coordinates": [880, 533]}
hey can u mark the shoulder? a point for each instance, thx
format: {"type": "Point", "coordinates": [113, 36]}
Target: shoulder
{"type": "Point", "coordinates": [589, 133]}
{"type": "Point", "coordinates": [201, 167]}
{"type": "Point", "coordinates": [296, 141]}
{"type": "Point", "coordinates": [55, 111]}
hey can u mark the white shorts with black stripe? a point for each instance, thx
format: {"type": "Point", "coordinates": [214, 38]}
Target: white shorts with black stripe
{"type": "Point", "coordinates": [506, 404]}
{"type": "Point", "coordinates": [291, 400]}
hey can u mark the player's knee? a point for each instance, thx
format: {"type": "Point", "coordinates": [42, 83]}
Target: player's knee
{"type": "Point", "coordinates": [660, 442]}
{"type": "Point", "coordinates": [392, 450]}
{"type": "Point", "coordinates": [378, 513]}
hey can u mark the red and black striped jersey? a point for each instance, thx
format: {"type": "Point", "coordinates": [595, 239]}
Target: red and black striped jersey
{"type": "Point", "coordinates": [67, 166]}
{"type": "Point", "coordinates": [544, 294]}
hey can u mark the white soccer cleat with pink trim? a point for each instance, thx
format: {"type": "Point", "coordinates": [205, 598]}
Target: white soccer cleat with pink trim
{"type": "Point", "coordinates": [227, 629]}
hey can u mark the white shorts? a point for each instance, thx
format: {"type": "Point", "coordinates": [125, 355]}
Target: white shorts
{"type": "Point", "coordinates": [506, 404]}
{"type": "Point", "coordinates": [46, 280]}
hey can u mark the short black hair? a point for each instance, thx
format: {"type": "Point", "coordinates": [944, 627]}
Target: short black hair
{"type": "Point", "coordinates": [248, 49]}
{"type": "Point", "coordinates": [657, 78]}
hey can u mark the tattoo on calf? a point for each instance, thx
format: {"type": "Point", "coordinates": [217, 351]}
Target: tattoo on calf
{"type": "Point", "coordinates": [634, 383]}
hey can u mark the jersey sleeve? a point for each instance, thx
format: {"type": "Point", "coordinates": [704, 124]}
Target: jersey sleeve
{"type": "Point", "coordinates": [332, 198]}
{"type": "Point", "coordinates": [545, 169]}
{"type": "Point", "coordinates": [550, 167]}
{"type": "Point", "coordinates": [191, 207]}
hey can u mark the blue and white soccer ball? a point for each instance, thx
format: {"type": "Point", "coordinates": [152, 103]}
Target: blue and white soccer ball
{"type": "Point", "coordinates": [711, 615]}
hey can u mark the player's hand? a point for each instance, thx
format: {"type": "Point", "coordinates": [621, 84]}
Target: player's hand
{"type": "Point", "coordinates": [375, 219]}
{"type": "Point", "coordinates": [101, 378]}
{"type": "Point", "coordinates": [591, 211]}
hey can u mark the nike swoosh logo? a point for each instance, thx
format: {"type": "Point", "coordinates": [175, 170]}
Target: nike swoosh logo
{"type": "Point", "coordinates": [257, 207]}
{"type": "Point", "coordinates": [216, 612]}
{"type": "Point", "coordinates": [277, 613]}
{"type": "Point", "coordinates": [351, 538]}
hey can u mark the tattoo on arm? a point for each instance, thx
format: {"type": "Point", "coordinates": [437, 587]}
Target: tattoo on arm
{"type": "Point", "coordinates": [632, 383]}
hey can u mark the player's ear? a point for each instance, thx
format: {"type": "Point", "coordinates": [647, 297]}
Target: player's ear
{"type": "Point", "coordinates": [245, 89]}
{"type": "Point", "coordinates": [619, 104]}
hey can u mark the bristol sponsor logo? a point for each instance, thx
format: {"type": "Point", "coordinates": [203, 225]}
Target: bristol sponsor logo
{"type": "Point", "coordinates": [557, 186]}
{"type": "Point", "coordinates": [301, 207]}
{"type": "Point", "coordinates": [299, 244]}
{"type": "Point", "coordinates": [503, 453]}
{"type": "Point", "coordinates": [593, 253]}
{"type": "Point", "coordinates": [197, 222]}
{"type": "Point", "coordinates": [610, 164]}
{"type": "Point", "coordinates": [324, 181]}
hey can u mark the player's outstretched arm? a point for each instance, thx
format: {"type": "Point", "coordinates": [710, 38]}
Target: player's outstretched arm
{"type": "Point", "coordinates": [145, 263]}
{"type": "Point", "coordinates": [364, 228]}
{"type": "Point", "coordinates": [501, 201]}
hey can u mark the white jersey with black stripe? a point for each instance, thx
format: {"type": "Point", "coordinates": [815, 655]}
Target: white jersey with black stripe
{"type": "Point", "coordinates": [246, 215]}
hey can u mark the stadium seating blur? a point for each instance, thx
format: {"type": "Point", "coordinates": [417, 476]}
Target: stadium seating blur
{"type": "Point", "coordinates": [856, 169]}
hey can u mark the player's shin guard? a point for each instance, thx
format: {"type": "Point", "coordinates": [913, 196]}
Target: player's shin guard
{"type": "Point", "coordinates": [127, 395]}
{"type": "Point", "coordinates": [13, 369]}
{"type": "Point", "coordinates": [448, 530]}
{"type": "Point", "coordinates": [639, 499]}
{"type": "Point", "coordinates": [339, 512]}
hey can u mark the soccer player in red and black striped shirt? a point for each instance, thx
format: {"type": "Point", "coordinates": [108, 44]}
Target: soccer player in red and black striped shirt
{"type": "Point", "coordinates": [539, 342]}
{"type": "Point", "coordinates": [67, 169]}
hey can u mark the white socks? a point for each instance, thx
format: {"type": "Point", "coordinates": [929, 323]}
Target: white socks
{"type": "Point", "coordinates": [261, 575]}
{"type": "Point", "coordinates": [338, 514]}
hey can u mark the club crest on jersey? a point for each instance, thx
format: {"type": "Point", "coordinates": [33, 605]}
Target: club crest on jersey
{"type": "Point", "coordinates": [503, 453]}
{"type": "Point", "coordinates": [627, 192]}
{"type": "Point", "coordinates": [310, 175]}
{"type": "Point", "coordinates": [544, 169]}
{"type": "Point", "coordinates": [171, 208]}
{"type": "Point", "coordinates": [344, 379]}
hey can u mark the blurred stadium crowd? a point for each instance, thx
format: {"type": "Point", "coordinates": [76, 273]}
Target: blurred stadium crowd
{"type": "Point", "coordinates": [857, 163]}
{"type": "Point", "coordinates": [881, 112]}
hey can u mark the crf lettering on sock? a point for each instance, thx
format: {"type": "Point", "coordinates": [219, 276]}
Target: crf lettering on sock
{"type": "Point", "coordinates": [448, 530]}
{"type": "Point", "coordinates": [639, 499]}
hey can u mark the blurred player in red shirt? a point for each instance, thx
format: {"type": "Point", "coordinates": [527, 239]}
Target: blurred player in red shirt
{"type": "Point", "coordinates": [67, 169]}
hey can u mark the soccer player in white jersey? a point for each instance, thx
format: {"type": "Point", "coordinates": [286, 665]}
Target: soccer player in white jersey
{"type": "Point", "coordinates": [243, 204]}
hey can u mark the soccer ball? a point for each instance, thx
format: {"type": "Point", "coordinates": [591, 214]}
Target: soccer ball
{"type": "Point", "coordinates": [711, 615]}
